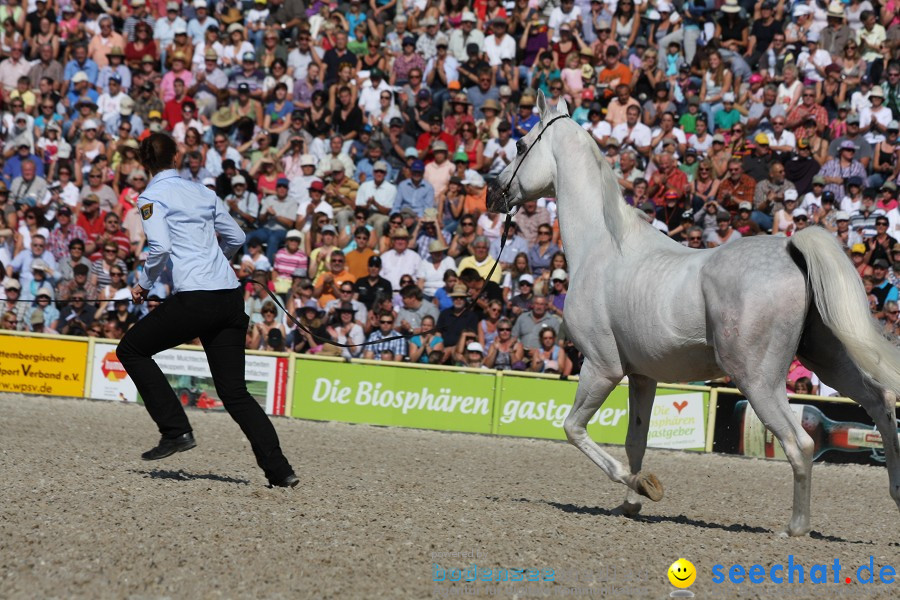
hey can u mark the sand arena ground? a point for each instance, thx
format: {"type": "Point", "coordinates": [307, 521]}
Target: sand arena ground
{"type": "Point", "coordinates": [82, 516]}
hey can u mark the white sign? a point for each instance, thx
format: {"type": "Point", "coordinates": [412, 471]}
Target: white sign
{"type": "Point", "coordinates": [188, 373]}
{"type": "Point", "coordinates": [677, 422]}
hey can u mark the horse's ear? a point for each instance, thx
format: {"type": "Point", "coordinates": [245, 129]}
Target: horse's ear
{"type": "Point", "coordinates": [562, 107]}
{"type": "Point", "coordinates": [542, 104]}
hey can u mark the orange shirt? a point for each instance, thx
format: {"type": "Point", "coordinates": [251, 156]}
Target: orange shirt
{"type": "Point", "coordinates": [609, 76]}
{"type": "Point", "coordinates": [475, 204]}
{"type": "Point", "coordinates": [328, 291]}
{"type": "Point", "coordinates": [358, 262]}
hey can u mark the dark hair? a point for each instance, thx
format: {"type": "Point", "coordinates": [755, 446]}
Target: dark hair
{"type": "Point", "coordinates": [157, 152]}
{"type": "Point", "coordinates": [411, 291]}
{"type": "Point", "coordinates": [470, 275]}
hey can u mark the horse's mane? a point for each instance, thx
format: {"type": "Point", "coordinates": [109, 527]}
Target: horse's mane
{"type": "Point", "coordinates": [619, 217]}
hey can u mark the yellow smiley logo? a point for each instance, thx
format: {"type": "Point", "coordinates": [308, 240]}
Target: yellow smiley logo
{"type": "Point", "coordinates": [682, 573]}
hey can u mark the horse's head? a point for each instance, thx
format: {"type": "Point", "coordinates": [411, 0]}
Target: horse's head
{"type": "Point", "coordinates": [531, 174]}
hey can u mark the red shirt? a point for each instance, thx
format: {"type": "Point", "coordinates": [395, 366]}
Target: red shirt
{"type": "Point", "coordinates": [676, 180]}
{"type": "Point", "coordinates": [122, 241]}
{"type": "Point", "coordinates": [172, 111]}
{"type": "Point", "coordinates": [425, 139]}
{"type": "Point", "coordinates": [92, 228]}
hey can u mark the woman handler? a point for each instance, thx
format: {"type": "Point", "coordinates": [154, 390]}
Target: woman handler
{"type": "Point", "coordinates": [181, 220]}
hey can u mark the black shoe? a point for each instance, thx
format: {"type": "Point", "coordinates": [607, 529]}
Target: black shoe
{"type": "Point", "coordinates": [288, 482]}
{"type": "Point", "coordinates": [169, 446]}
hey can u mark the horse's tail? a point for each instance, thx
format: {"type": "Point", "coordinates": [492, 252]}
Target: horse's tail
{"type": "Point", "coordinates": [841, 301]}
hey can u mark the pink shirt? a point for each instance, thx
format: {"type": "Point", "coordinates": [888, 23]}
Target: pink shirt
{"type": "Point", "coordinates": [167, 85]}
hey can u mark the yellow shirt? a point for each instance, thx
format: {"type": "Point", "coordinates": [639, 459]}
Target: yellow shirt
{"type": "Point", "coordinates": [483, 268]}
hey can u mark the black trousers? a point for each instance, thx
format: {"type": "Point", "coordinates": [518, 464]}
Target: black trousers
{"type": "Point", "coordinates": [218, 319]}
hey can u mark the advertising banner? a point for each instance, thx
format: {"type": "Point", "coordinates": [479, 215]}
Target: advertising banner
{"type": "Point", "coordinates": [832, 438]}
{"type": "Point", "coordinates": [532, 407]}
{"type": "Point", "coordinates": [399, 396]}
{"type": "Point", "coordinates": [38, 365]}
{"type": "Point", "coordinates": [188, 373]}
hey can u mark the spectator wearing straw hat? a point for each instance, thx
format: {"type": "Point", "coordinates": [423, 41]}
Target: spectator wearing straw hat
{"type": "Point", "coordinates": [430, 276]}
{"type": "Point", "coordinates": [467, 33]}
{"type": "Point", "coordinates": [400, 259]}
{"type": "Point", "coordinates": [456, 320]}
{"type": "Point", "coordinates": [427, 230]}
{"type": "Point", "coordinates": [439, 171]}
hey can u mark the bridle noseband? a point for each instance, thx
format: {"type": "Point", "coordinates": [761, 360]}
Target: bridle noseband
{"type": "Point", "coordinates": [504, 193]}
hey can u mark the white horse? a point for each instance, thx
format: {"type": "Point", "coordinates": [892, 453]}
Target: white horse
{"type": "Point", "coordinates": [642, 305]}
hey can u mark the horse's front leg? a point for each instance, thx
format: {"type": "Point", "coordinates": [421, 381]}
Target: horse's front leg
{"type": "Point", "coordinates": [641, 393]}
{"type": "Point", "coordinates": [593, 389]}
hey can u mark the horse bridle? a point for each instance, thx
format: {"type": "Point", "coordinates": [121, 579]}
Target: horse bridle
{"type": "Point", "coordinates": [504, 193]}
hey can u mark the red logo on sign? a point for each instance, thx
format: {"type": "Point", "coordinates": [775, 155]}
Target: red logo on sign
{"type": "Point", "coordinates": [112, 368]}
{"type": "Point", "coordinates": [680, 406]}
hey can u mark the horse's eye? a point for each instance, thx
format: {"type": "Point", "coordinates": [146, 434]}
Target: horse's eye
{"type": "Point", "coordinates": [520, 147]}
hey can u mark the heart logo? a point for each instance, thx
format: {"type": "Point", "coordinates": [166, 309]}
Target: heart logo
{"type": "Point", "coordinates": [679, 406]}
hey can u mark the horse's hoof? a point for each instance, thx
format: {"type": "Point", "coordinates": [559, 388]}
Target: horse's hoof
{"type": "Point", "coordinates": [794, 532]}
{"type": "Point", "coordinates": [648, 485]}
{"type": "Point", "coordinates": [627, 509]}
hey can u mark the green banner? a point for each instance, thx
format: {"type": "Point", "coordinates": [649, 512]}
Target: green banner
{"type": "Point", "coordinates": [537, 408]}
{"type": "Point", "coordinates": [398, 396]}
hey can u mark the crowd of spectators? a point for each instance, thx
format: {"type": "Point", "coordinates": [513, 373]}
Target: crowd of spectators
{"type": "Point", "coordinates": [354, 142]}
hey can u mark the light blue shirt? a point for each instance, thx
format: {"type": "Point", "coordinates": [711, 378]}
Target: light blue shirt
{"type": "Point", "coordinates": [415, 197]}
{"type": "Point", "coordinates": [89, 67]}
{"type": "Point", "coordinates": [181, 220]}
{"type": "Point", "coordinates": [197, 30]}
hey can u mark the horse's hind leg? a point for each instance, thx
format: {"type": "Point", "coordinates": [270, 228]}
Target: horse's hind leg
{"type": "Point", "coordinates": [593, 389]}
{"type": "Point", "coordinates": [822, 353]}
{"type": "Point", "coordinates": [759, 370]}
{"type": "Point", "coordinates": [771, 405]}
{"type": "Point", "coordinates": [641, 393]}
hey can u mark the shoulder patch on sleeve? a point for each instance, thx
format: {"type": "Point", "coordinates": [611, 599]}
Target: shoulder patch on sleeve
{"type": "Point", "coordinates": [147, 211]}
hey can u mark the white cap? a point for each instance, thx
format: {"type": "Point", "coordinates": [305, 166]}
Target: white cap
{"type": "Point", "coordinates": [209, 181]}
{"type": "Point", "coordinates": [559, 274]}
{"type": "Point", "coordinates": [475, 347]}
{"type": "Point", "coordinates": [238, 179]}
{"type": "Point", "coordinates": [325, 208]}
{"type": "Point", "coordinates": [200, 4]}
{"type": "Point", "coordinates": [294, 234]}
{"type": "Point", "coordinates": [123, 295]}
{"type": "Point", "coordinates": [799, 212]}
{"type": "Point", "coordinates": [791, 194]}
{"type": "Point", "coordinates": [79, 77]}
{"type": "Point", "coordinates": [526, 277]}
{"type": "Point", "coordinates": [89, 124]}
{"type": "Point", "coordinates": [474, 179]}
{"type": "Point", "coordinates": [307, 160]}
{"type": "Point", "coordinates": [46, 291]}
{"type": "Point", "coordinates": [728, 97]}
{"type": "Point", "coordinates": [469, 17]}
